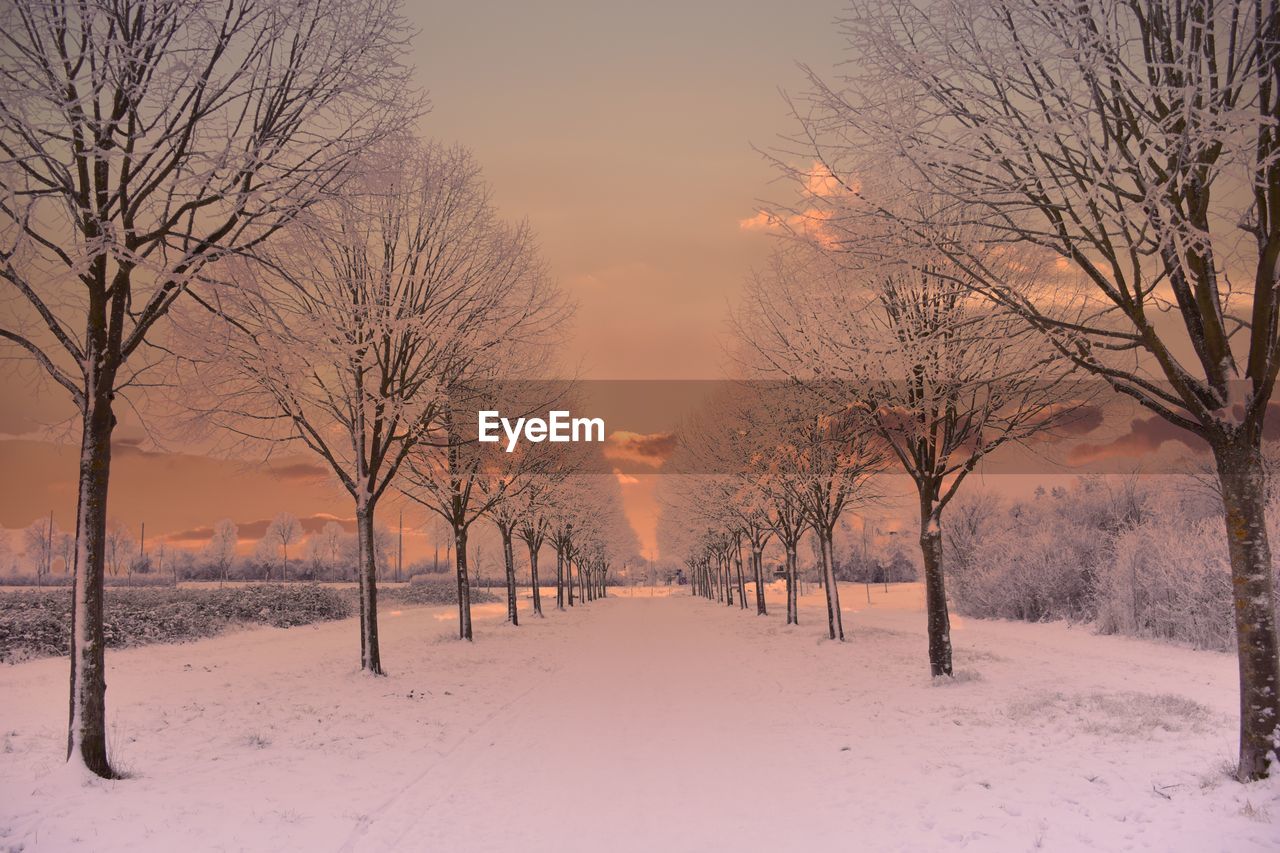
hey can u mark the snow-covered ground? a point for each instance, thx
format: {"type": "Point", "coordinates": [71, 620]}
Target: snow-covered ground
{"type": "Point", "coordinates": [644, 723]}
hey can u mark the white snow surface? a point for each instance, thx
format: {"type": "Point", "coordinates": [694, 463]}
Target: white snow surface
{"type": "Point", "coordinates": [639, 724]}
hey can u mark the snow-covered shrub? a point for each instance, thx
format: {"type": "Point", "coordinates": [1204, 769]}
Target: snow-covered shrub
{"type": "Point", "coordinates": [1034, 560]}
{"type": "Point", "coordinates": [35, 624]}
{"type": "Point", "coordinates": [1141, 558]}
{"type": "Point", "coordinates": [435, 589]}
{"type": "Point", "coordinates": [1029, 573]}
{"type": "Point", "coordinates": [1170, 578]}
{"type": "Point", "coordinates": [63, 580]}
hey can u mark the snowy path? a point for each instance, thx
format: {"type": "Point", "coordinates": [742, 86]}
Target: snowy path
{"type": "Point", "coordinates": [646, 724]}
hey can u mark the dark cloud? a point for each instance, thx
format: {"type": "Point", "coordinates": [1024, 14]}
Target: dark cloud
{"type": "Point", "coordinates": [123, 446]}
{"type": "Point", "coordinates": [1146, 435]}
{"type": "Point", "coordinates": [252, 530]}
{"type": "Point", "coordinates": [194, 535]}
{"type": "Point", "coordinates": [299, 471]}
{"type": "Point", "coordinates": [1080, 421]}
{"type": "Point", "coordinates": [648, 449]}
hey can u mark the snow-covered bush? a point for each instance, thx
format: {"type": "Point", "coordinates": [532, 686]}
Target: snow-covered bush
{"type": "Point", "coordinates": [36, 624]}
{"type": "Point", "coordinates": [1143, 558]}
{"type": "Point", "coordinates": [1169, 578]}
{"type": "Point", "coordinates": [1037, 559]}
{"type": "Point", "coordinates": [1030, 573]}
{"type": "Point", "coordinates": [434, 589]}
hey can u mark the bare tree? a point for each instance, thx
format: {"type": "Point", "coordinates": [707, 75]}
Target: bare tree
{"type": "Point", "coordinates": [941, 378]}
{"type": "Point", "coordinates": [814, 461]}
{"type": "Point", "coordinates": [66, 547]}
{"type": "Point", "coordinates": [460, 483]}
{"type": "Point", "coordinates": [602, 534]}
{"type": "Point", "coordinates": [534, 527]}
{"type": "Point", "coordinates": [284, 530]}
{"type": "Point", "coordinates": [119, 553]}
{"type": "Point", "coordinates": [524, 481]}
{"type": "Point", "coordinates": [724, 438]}
{"type": "Point", "coordinates": [346, 339]}
{"type": "Point", "coordinates": [1146, 157]}
{"type": "Point", "coordinates": [221, 550]}
{"type": "Point", "coordinates": [38, 545]}
{"type": "Point", "coordinates": [832, 462]}
{"type": "Point", "coordinates": [561, 532]}
{"type": "Point", "coordinates": [508, 513]}
{"type": "Point", "coordinates": [140, 141]}
{"type": "Point", "coordinates": [325, 549]}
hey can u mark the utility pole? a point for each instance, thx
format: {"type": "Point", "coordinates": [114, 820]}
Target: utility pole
{"type": "Point", "coordinates": [400, 550]}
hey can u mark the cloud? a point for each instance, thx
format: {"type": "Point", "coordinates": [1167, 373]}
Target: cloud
{"type": "Point", "coordinates": [1149, 434]}
{"type": "Point", "coordinates": [299, 471]}
{"type": "Point", "coordinates": [1071, 420]}
{"type": "Point", "coordinates": [811, 223]}
{"type": "Point", "coordinates": [131, 446]}
{"type": "Point", "coordinates": [1080, 421]}
{"type": "Point", "coordinates": [820, 182]}
{"type": "Point", "coordinates": [1145, 435]}
{"type": "Point", "coordinates": [648, 449]}
{"type": "Point", "coordinates": [762, 221]}
{"type": "Point", "coordinates": [252, 531]}
{"type": "Point", "coordinates": [625, 479]}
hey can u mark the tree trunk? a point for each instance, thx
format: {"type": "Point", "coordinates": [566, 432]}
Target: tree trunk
{"type": "Point", "coordinates": [509, 558]}
{"type": "Point", "coordinates": [568, 569]}
{"type": "Point", "coordinates": [742, 586]}
{"type": "Point", "coordinates": [757, 568]}
{"type": "Point", "coordinates": [559, 578]}
{"type": "Point", "coordinates": [793, 607]}
{"type": "Point", "coordinates": [87, 725]}
{"type": "Point", "coordinates": [1243, 481]}
{"type": "Point", "coordinates": [464, 582]}
{"type": "Point", "coordinates": [370, 656]}
{"type": "Point", "coordinates": [533, 580]}
{"type": "Point", "coordinates": [728, 579]}
{"type": "Point", "coordinates": [935, 590]}
{"type": "Point", "coordinates": [835, 623]}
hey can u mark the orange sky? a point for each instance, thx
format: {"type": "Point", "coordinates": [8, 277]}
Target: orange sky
{"type": "Point", "coordinates": [622, 131]}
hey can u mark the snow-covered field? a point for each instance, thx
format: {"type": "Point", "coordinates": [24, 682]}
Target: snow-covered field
{"type": "Point", "coordinates": [644, 723]}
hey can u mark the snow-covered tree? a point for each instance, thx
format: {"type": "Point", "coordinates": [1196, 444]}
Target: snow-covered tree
{"type": "Point", "coordinates": [284, 530]}
{"type": "Point", "coordinates": [221, 550]}
{"type": "Point", "coordinates": [141, 141]}
{"type": "Point", "coordinates": [1138, 141]}
{"type": "Point", "coordinates": [120, 548]}
{"type": "Point", "coordinates": [39, 546]}
{"type": "Point", "coordinates": [345, 337]}
{"type": "Point", "coordinates": [66, 550]}
{"type": "Point", "coordinates": [914, 356]}
{"type": "Point", "coordinates": [325, 549]}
